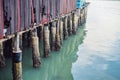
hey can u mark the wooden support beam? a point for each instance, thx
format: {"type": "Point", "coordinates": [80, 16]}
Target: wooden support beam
{"type": "Point", "coordinates": [31, 27]}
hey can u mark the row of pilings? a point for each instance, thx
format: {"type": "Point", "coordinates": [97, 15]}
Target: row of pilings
{"type": "Point", "coordinates": [52, 34]}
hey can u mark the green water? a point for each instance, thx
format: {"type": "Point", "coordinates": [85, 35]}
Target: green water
{"type": "Point", "coordinates": [56, 67]}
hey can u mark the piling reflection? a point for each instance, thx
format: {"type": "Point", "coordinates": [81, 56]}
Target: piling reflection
{"type": "Point", "coordinates": [56, 67]}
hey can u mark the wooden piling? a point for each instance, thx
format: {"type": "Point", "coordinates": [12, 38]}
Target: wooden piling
{"type": "Point", "coordinates": [2, 58]}
{"type": "Point", "coordinates": [65, 29]}
{"type": "Point", "coordinates": [85, 11]}
{"type": "Point", "coordinates": [58, 44]}
{"type": "Point", "coordinates": [21, 47]}
{"type": "Point", "coordinates": [82, 17]}
{"type": "Point", "coordinates": [74, 23]}
{"type": "Point", "coordinates": [35, 49]}
{"type": "Point", "coordinates": [76, 16]}
{"type": "Point", "coordinates": [79, 21]}
{"type": "Point", "coordinates": [46, 41]}
{"type": "Point", "coordinates": [68, 24]}
{"type": "Point", "coordinates": [70, 29]}
{"type": "Point", "coordinates": [41, 33]}
{"type": "Point", "coordinates": [29, 38]}
{"type": "Point", "coordinates": [7, 49]}
{"type": "Point", "coordinates": [17, 60]}
{"type": "Point", "coordinates": [61, 31]}
{"type": "Point", "coordinates": [53, 35]}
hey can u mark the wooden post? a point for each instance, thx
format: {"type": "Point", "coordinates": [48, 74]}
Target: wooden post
{"type": "Point", "coordinates": [65, 28]}
{"type": "Point", "coordinates": [35, 49]}
{"type": "Point", "coordinates": [29, 38]}
{"type": "Point", "coordinates": [61, 31]}
{"type": "Point", "coordinates": [17, 60]}
{"type": "Point", "coordinates": [68, 24]}
{"type": "Point", "coordinates": [2, 58]}
{"type": "Point", "coordinates": [85, 14]}
{"type": "Point", "coordinates": [46, 41]}
{"type": "Point", "coordinates": [82, 21]}
{"type": "Point", "coordinates": [58, 45]}
{"type": "Point", "coordinates": [53, 35]}
{"type": "Point", "coordinates": [70, 30]}
{"type": "Point", "coordinates": [8, 48]}
{"type": "Point", "coordinates": [41, 32]}
{"type": "Point", "coordinates": [79, 22]}
{"type": "Point", "coordinates": [21, 47]}
{"type": "Point", "coordinates": [86, 9]}
{"type": "Point", "coordinates": [76, 16]}
{"type": "Point", "coordinates": [74, 23]}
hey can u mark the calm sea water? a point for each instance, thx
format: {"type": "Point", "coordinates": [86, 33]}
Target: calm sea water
{"type": "Point", "coordinates": [92, 54]}
{"type": "Point", "coordinates": [99, 54]}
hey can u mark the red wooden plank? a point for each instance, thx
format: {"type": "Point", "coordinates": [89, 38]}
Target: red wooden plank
{"type": "Point", "coordinates": [32, 9]}
{"type": "Point", "coordinates": [18, 15]}
{"type": "Point", "coordinates": [45, 11]}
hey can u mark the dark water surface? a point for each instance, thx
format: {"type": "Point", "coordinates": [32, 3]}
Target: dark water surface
{"type": "Point", "coordinates": [92, 54]}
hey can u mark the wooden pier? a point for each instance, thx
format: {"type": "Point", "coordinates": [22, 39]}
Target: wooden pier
{"type": "Point", "coordinates": [52, 29]}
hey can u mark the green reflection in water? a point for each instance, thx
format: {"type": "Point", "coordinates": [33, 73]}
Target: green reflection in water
{"type": "Point", "coordinates": [56, 67]}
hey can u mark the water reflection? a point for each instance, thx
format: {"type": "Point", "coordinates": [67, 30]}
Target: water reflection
{"type": "Point", "coordinates": [56, 67]}
{"type": "Point", "coordinates": [99, 55]}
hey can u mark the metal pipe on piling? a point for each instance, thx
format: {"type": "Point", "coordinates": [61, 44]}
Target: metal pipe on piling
{"type": "Point", "coordinates": [17, 60]}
